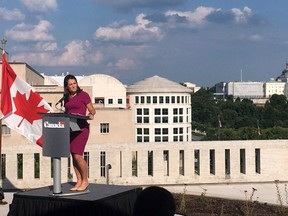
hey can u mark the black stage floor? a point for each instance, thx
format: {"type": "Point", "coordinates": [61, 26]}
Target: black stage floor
{"type": "Point", "coordinates": [106, 200]}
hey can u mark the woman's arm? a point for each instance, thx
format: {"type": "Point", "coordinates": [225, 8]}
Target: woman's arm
{"type": "Point", "coordinates": [91, 110]}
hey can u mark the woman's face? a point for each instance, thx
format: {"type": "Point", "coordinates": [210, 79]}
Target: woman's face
{"type": "Point", "coordinates": [72, 86]}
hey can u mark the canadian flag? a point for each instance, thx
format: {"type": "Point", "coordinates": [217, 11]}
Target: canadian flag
{"type": "Point", "coordinates": [21, 105]}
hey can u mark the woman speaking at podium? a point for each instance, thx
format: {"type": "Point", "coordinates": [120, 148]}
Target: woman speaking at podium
{"type": "Point", "coordinates": [77, 101]}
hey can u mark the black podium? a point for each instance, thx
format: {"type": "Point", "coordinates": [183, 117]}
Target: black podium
{"type": "Point", "coordinates": [56, 129]}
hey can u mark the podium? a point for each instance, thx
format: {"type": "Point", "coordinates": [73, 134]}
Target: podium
{"type": "Point", "coordinates": [56, 128]}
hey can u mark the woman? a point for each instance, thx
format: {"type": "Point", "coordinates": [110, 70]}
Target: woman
{"type": "Point", "coordinates": [78, 101]}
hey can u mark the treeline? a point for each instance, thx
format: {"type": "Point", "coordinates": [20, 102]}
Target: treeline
{"type": "Point", "coordinates": [228, 119]}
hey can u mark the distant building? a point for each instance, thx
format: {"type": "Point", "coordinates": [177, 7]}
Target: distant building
{"type": "Point", "coordinates": [275, 87]}
{"type": "Point", "coordinates": [161, 110]}
{"type": "Point", "coordinates": [242, 90]}
{"type": "Point", "coordinates": [192, 86]}
{"type": "Point", "coordinates": [284, 75]}
{"type": "Point", "coordinates": [259, 92]}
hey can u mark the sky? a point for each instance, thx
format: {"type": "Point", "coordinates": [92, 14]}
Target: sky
{"type": "Point", "coordinates": [199, 41]}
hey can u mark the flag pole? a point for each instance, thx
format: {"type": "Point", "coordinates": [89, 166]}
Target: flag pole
{"type": "Point", "coordinates": [3, 41]}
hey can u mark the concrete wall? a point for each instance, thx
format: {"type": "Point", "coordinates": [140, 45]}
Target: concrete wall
{"type": "Point", "coordinates": [273, 163]}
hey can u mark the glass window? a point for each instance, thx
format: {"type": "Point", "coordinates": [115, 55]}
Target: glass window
{"type": "Point", "coordinates": [173, 99]}
{"type": "Point", "coordinates": [157, 111]}
{"type": "Point", "coordinates": [104, 128]}
{"type": "Point", "coordinates": [36, 165]}
{"type": "Point", "coordinates": [167, 99]}
{"type": "Point", "coordinates": [102, 163]}
{"type": "Point", "coordinates": [148, 99]}
{"type": "Point", "coordinates": [154, 99]}
{"type": "Point", "coordinates": [20, 166]}
{"type": "Point", "coordinates": [161, 99]}
{"type": "Point", "coordinates": [142, 99]}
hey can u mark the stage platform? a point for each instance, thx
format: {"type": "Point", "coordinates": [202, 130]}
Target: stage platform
{"type": "Point", "coordinates": [106, 200]}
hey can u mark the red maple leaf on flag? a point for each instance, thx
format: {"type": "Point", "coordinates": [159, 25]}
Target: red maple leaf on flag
{"type": "Point", "coordinates": [29, 109]}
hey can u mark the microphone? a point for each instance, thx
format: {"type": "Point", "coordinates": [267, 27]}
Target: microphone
{"type": "Point", "coordinates": [60, 101]}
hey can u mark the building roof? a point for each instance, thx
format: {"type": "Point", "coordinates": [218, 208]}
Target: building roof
{"type": "Point", "coordinates": [156, 84]}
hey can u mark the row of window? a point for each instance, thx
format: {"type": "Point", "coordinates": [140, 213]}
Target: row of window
{"type": "Point", "coordinates": [134, 163]}
{"type": "Point", "coordinates": [160, 134]}
{"type": "Point", "coordinates": [161, 115]}
{"type": "Point", "coordinates": [162, 99]}
{"type": "Point", "coordinates": [101, 100]}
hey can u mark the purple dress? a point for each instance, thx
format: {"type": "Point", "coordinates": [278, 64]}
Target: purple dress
{"type": "Point", "coordinates": [77, 105]}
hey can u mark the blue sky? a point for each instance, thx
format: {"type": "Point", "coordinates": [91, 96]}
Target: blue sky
{"type": "Point", "coordinates": [198, 41]}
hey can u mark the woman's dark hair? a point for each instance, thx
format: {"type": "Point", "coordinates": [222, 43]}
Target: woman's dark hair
{"type": "Point", "coordinates": [68, 77]}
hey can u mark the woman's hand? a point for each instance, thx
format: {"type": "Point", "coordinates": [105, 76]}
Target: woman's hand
{"type": "Point", "coordinates": [91, 110]}
{"type": "Point", "coordinates": [91, 116]}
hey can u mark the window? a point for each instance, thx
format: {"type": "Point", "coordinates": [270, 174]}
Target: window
{"type": "Point", "coordinates": [181, 162]}
{"type": "Point", "coordinates": [154, 99]}
{"type": "Point", "coordinates": [3, 161]}
{"type": "Point", "coordinates": [36, 165]}
{"type": "Point", "coordinates": [69, 171]}
{"type": "Point", "coordinates": [142, 99]}
{"type": "Point", "coordinates": [86, 158]}
{"type": "Point", "coordinates": [212, 161]}
{"type": "Point", "coordinates": [242, 161]}
{"type": "Point", "coordinates": [166, 162]}
{"type": "Point", "coordinates": [177, 115]}
{"type": "Point", "coordinates": [99, 100]}
{"type": "Point", "coordinates": [134, 163]}
{"type": "Point", "coordinates": [161, 99]}
{"type": "Point", "coordinates": [197, 161]}
{"type": "Point", "coordinates": [227, 162]}
{"type": "Point", "coordinates": [120, 101]}
{"type": "Point", "coordinates": [104, 128]}
{"type": "Point", "coordinates": [150, 163]}
{"type": "Point", "coordinates": [136, 99]}
{"type": "Point", "coordinates": [142, 115]}
{"type": "Point", "coordinates": [5, 129]}
{"type": "Point", "coordinates": [19, 166]}
{"type": "Point", "coordinates": [257, 161]}
{"type": "Point", "coordinates": [110, 101]}
{"type": "Point", "coordinates": [142, 134]}
{"type": "Point", "coordinates": [173, 99]}
{"type": "Point", "coordinates": [102, 163]}
{"type": "Point", "coordinates": [148, 99]}
{"type": "Point", "coordinates": [167, 99]}
{"type": "Point", "coordinates": [178, 134]}
{"type": "Point", "coordinates": [161, 134]}
{"type": "Point", "coordinates": [160, 115]}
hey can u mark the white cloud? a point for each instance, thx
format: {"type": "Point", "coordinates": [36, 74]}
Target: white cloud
{"type": "Point", "coordinates": [196, 18]}
{"type": "Point", "coordinates": [140, 32]}
{"type": "Point", "coordinates": [40, 5]}
{"type": "Point", "coordinates": [14, 14]}
{"type": "Point", "coordinates": [76, 53]}
{"type": "Point", "coordinates": [126, 64]}
{"type": "Point", "coordinates": [255, 37]}
{"type": "Point", "coordinates": [46, 46]}
{"type": "Point", "coordinates": [242, 16]}
{"type": "Point", "coordinates": [25, 32]}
